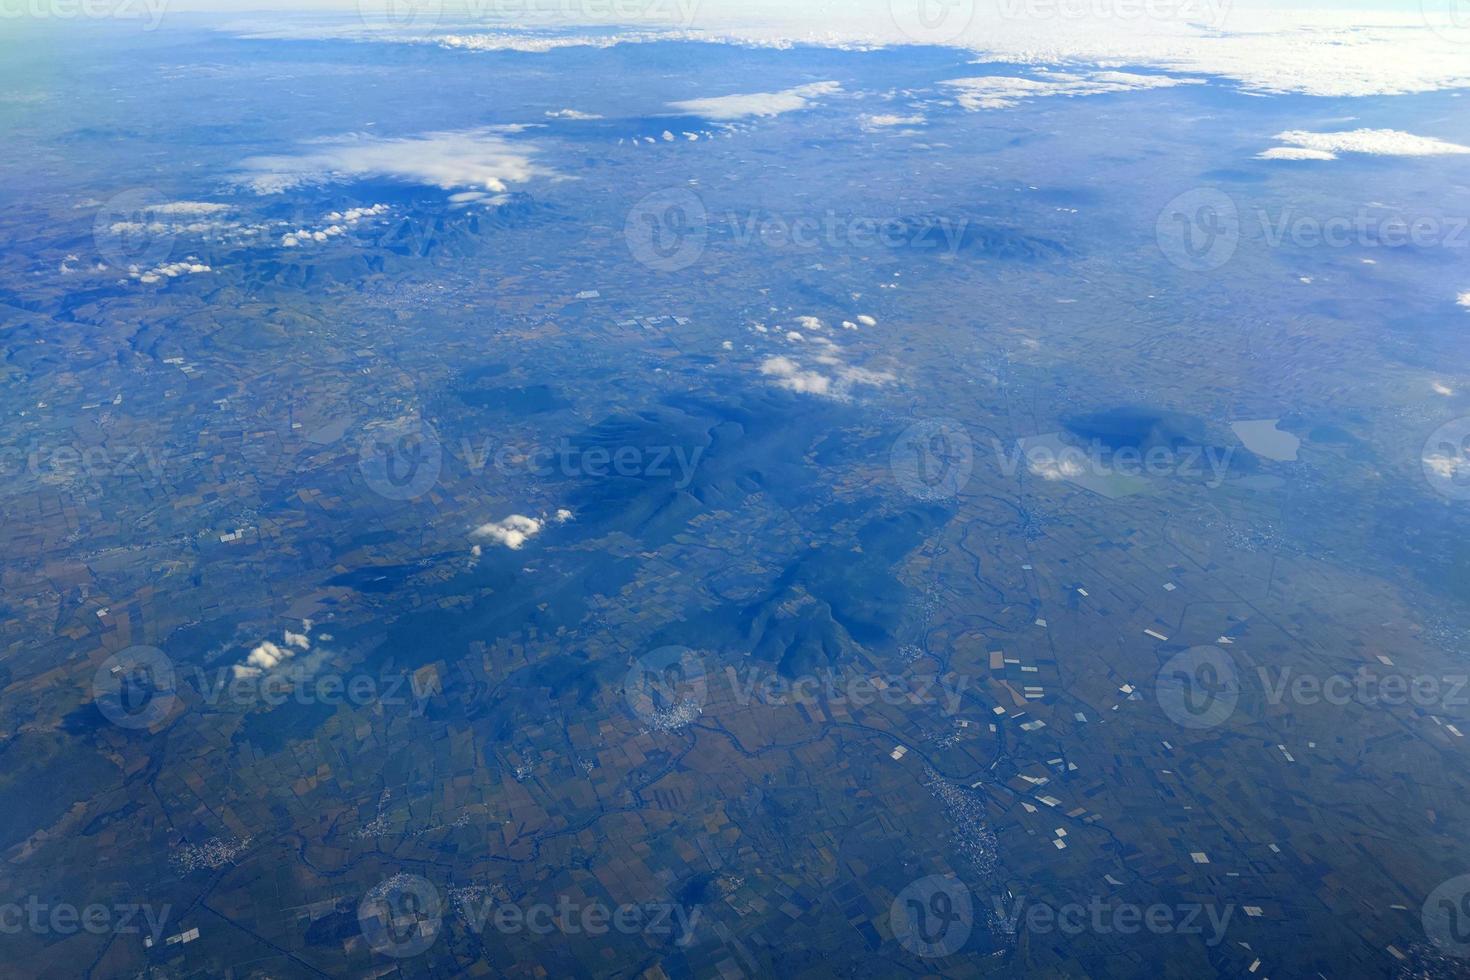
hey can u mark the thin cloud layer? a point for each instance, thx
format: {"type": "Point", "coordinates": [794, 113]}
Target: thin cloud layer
{"type": "Point", "coordinates": [1294, 153]}
{"type": "Point", "coordinates": [884, 120]}
{"type": "Point", "coordinates": [1372, 142]}
{"type": "Point", "coordinates": [477, 160]}
{"type": "Point", "coordinates": [1005, 91]}
{"type": "Point", "coordinates": [727, 108]}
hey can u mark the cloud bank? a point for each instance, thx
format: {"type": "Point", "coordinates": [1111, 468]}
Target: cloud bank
{"type": "Point", "coordinates": [1325, 52]}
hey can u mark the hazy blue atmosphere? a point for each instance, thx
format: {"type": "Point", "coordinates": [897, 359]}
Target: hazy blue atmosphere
{"type": "Point", "coordinates": [670, 489]}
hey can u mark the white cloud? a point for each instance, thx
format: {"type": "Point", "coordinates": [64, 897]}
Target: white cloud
{"type": "Point", "coordinates": [887, 120]}
{"type": "Point", "coordinates": [1374, 142]}
{"type": "Point", "coordinates": [1263, 46]}
{"type": "Point", "coordinates": [178, 218]}
{"type": "Point", "coordinates": [847, 376]}
{"type": "Point", "coordinates": [1464, 300]}
{"type": "Point", "coordinates": [268, 657]}
{"type": "Point", "coordinates": [834, 379]}
{"type": "Point", "coordinates": [334, 224]}
{"type": "Point", "coordinates": [571, 114]}
{"type": "Point", "coordinates": [1005, 91]}
{"type": "Point", "coordinates": [513, 532]}
{"type": "Point", "coordinates": [828, 351]}
{"type": "Point", "coordinates": [466, 198]}
{"type": "Point", "coordinates": [293, 658]}
{"type": "Point", "coordinates": [1295, 153]}
{"type": "Point", "coordinates": [190, 208]}
{"type": "Point", "coordinates": [169, 270]}
{"type": "Point", "coordinates": [264, 658]}
{"type": "Point", "coordinates": [1448, 467]}
{"type": "Point", "coordinates": [479, 159]}
{"type": "Point", "coordinates": [535, 43]}
{"type": "Point", "coordinates": [997, 92]}
{"type": "Point", "coordinates": [789, 375]}
{"type": "Point", "coordinates": [730, 107]}
{"type": "Point", "coordinates": [810, 323]}
{"type": "Point", "coordinates": [1054, 468]}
